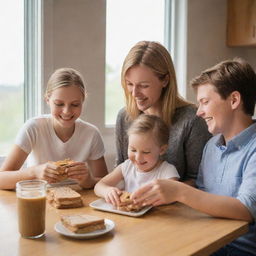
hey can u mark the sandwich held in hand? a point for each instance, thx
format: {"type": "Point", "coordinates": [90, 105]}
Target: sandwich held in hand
{"type": "Point", "coordinates": [62, 168]}
{"type": "Point", "coordinates": [82, 223]}
{"type": "Point", "coordinates": [127, 203]}
{"type": "Point", "coordinates": [64, 197]}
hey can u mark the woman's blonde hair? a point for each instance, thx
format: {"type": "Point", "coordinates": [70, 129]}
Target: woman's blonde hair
{"type": "Point", "coordinates": [153, 124]}
{"type": "Point", "coordinates": [64, 77]}
{"type": "Point", "coordinates": [155, 56]}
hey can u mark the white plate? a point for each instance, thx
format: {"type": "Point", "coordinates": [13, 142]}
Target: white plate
{"type": "Point", "coordinates": [62, 183]}
{"type": "Point", "coordinates": [64, 231]}
{"type": "Point", "coordinates": [101, 204]}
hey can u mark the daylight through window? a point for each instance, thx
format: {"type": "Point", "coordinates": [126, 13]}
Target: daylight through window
{"type": "Point", "coordinates": [11, 71]}
{"type": "Point", "coordinates": [128, 21]}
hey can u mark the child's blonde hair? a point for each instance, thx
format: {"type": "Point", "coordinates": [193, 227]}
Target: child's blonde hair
{"type": "Point", "coordinates": [64, 77]}
{"type": "Point", "coordinates": [150, 123]}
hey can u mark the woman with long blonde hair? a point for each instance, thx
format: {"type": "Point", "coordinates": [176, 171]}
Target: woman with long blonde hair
{"type": "Point", "coordinates": [150, 87]}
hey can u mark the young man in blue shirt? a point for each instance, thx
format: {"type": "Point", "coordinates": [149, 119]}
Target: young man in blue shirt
{"type": "Point", "coordinates": [227, 177]}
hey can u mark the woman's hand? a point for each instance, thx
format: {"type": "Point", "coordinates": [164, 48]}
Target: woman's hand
{"type": "Point", "coordinates": [158, 192]}
{"type": "Point", "coordinates": [113, 196]}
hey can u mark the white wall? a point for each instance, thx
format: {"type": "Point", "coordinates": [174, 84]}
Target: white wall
{"type": "Point", "coordinates": [74, 37]}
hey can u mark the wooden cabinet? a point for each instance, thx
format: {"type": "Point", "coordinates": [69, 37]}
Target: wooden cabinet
{"type": "Point", "coordinates": [241, 23]}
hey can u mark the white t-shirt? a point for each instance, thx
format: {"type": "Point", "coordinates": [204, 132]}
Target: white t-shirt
{"type": "Point", "coordinates": [38, 138]}
{"type": "Point", "coordinates": [134, 178]}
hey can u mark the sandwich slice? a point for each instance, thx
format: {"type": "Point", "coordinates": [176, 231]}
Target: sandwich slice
{"type": "Point", "coordinates": [64, 197]}
{"type": "Point", "coordinates": [62, 166]}
{"type": "Point", "coordinates": [127, 203]}
{"type": "Point", "coordinates": [82, 223]}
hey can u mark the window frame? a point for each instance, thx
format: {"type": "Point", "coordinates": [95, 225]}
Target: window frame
{"type": "Point", "coordinates": [32, 58]}
{"type": "Point", "coordinates": [176, 39]}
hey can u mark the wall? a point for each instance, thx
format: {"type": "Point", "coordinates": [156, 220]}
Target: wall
{"type": "Point", "coordinates": [75, 37]}
{"type": "Point", "coordinates": [206, 41]}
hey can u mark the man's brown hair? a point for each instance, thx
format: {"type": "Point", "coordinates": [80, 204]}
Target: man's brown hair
{"type": "Point", "coordinates": [229, 76]}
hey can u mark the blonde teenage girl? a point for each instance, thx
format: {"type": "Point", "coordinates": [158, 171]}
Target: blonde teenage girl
{"type": "Point", "coordinates": [57, 136]}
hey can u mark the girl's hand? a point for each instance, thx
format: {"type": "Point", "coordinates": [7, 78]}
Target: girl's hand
{"type": "Point", "coordinates": [79, 171]}
{"type": "Point", "coordinates": [158, 192]}
{"type": "Point", "coordinates": [46, 172]}
{"type": "Point", "coordinates": [113, 196]}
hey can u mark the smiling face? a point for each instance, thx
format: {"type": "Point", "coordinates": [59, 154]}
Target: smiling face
{"type": "Point", "coordinates": [143, 151]}
{"type": "Point", "coordinates": [217, 112]}
{"type": "Point", "coordinates": [66, 105]}
{"type": "Point", "coordinates": [145, 87]}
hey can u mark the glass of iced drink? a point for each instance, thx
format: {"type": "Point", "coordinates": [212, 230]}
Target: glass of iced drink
{"type": "Point", "coordinates": [31, 197]}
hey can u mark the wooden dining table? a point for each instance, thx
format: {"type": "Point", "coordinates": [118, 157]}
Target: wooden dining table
{"type": "Point", "coordinates": [173, 229]}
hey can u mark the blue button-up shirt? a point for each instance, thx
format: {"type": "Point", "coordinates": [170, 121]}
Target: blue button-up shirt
{"type": "Point", "coordinates": [230, 170]}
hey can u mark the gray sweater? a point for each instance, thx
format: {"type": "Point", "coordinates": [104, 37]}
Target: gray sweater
{"type": "Point", "coordinates": [188, 135]}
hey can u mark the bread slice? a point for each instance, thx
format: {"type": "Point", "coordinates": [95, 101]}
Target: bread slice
{"type": "Point", "coordinates": [127, 203]}
{"type": "Point", "coordinates": [82, 223]}
{"type": "Point", "coordinates": [64, 197]}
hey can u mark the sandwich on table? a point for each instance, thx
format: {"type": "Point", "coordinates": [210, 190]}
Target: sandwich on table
{"type": "Point", "coordinates": [82, 223]}
{"type": "Point", "coordinates": [64, 197]}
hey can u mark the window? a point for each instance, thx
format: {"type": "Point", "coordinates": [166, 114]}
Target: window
{"type": "Point", "coordinates": [11, 71]}
{"type": "Point", "coordinates": [20, 65]}
{"type": "Point", "coordinates": [128, 21]}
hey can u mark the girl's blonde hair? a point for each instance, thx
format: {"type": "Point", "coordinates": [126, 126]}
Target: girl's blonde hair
{"type": "Point", "coordinates": [155, 56]}
{"type": "Point", "coordinates": [153, 124]}
{"type": "Point", "coordinates": [64, 77]}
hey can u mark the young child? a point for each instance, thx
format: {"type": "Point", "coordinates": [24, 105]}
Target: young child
{"type": "Point", "coordinates": [57, 136]}
{"type": "Point", "coordinates": [148, 141]}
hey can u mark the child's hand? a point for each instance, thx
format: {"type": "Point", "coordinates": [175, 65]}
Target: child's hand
{"type": "Point", "coordinates": [46, 172]}
{"type": "Point", "coordinates": [79, 171]}
{"type": "Point", "coordinates": [113, 196]}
